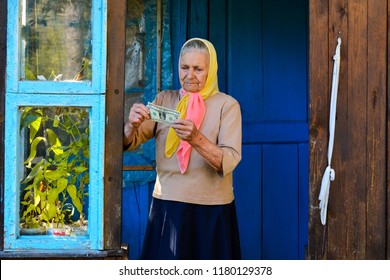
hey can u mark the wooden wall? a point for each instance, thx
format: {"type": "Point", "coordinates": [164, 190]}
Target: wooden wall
{"type": "Point", "coordinates": [357, 224]}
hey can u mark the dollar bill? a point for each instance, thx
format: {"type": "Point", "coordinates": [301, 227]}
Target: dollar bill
{"type": "Point", "coordinates": [162, 114]}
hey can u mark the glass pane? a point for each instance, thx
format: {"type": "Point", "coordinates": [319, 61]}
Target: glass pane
{"type": "Point", "coordinates": [135, 36]}
{"type": "Point", "coordinates": [56, 40]}
{"type": "Point", "coordinates": [140, 70]}
{"type": "Point", "coordinates": [54, 171]}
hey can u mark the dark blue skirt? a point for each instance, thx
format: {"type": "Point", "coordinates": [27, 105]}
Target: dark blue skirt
{"type": "Point", "coordinates": [184, 231]}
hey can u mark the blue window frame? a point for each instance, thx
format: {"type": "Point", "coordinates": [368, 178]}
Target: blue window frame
{"type": "Point", "coordinates": [85, 95]}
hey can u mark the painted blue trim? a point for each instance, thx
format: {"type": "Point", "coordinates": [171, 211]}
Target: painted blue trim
{"type": "Point", "coordinates": [94, 240]}
{"type": "Point", "coordinates": [98, 83]}
{"type": "Point", "coordinates": [96, 188]}
{"type": "Point", "coordinates": [99, 45]}
{"type": "Point", "coordinates": [54, 87]}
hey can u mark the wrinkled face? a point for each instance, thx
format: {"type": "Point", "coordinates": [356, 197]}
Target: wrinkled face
{"type": "Point", "coordinates": [193, 69]}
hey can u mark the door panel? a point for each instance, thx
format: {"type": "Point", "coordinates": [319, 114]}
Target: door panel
{"type": "Point", "coordinates": [245, 60]}
{"type": "Point", "coordinates": [280, 200]}
{"type": "Point", "coordinates": [284, 60]}
{"type": "Point", "coordinates": [247, 188]}
{"type": "Point", "coordinates": [135, 215]}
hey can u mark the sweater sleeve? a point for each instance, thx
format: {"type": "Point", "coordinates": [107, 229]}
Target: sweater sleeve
{"type": "Point", "coordinates": [144, 132]}
{"type": "Point", "coordinates": [230, 136]}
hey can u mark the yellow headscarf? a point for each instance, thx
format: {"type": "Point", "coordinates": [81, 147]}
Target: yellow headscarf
{"type": "Point", "coordinates": [210, 88]}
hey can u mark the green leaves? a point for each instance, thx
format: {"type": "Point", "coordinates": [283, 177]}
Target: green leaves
{"type": "Point", "coordinates": [54, 141]}
{"type": "Point", "coordinates": [57, 166]}
{"type": "Point", "coordinates": [72, 190]}
{"type": "Point", "coordinates": [33, 119]}
{"type": "Point", "coordinates": [33, 149]}
{"type": "Point", "coordinates": [34, 172]}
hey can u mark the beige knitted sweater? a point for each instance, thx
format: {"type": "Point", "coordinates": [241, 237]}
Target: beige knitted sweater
{"type": "Point", "coordinates": [201, 183]}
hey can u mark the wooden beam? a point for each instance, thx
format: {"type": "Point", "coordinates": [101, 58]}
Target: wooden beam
{"type": "Point", "coordinates": [350, 192]}
{"type": "Point", "coordinates": [376, 129]}
{"type": "Point", "coordinates": [116, 18]}
{"type": "Point", "coordinates": [335, 237]}
{"type": "Point", "coordinates": [388, 137]}
{"type": "Point", "coordinates": [319, 72]}
{"type": "Point", "coordinates": [139, 168]}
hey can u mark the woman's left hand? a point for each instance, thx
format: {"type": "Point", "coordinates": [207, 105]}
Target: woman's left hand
{"type": "Point", "coordinates": [185, 130]}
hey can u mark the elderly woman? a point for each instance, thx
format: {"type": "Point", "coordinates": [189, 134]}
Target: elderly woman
{"type": "Point", "coordinates": [192, 213]}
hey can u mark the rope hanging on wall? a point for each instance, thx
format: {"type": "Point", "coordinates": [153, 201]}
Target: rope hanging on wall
{"type": "Point", "coordinates": [329, 173]}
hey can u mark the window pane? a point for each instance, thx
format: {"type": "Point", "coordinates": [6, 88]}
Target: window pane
{"type": "Point", "coordinates": [56, 40]}
{"type": "Point", "coordinates": [55, 170]}
{"type": "Point", "coordinates": [135, 37]}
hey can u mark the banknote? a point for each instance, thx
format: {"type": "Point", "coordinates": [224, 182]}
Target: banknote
{"type": "Point", "coordinates": [162, 114]}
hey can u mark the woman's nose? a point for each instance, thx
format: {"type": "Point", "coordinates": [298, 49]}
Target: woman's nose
{"type": "Point", "coordinates": [190, 73]}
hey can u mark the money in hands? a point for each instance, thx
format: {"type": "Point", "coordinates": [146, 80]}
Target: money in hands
{"type": "Point", "coordinates": [162, 114]}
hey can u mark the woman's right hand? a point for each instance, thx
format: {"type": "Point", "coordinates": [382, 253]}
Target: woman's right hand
{"type": "Point", "coordinates": [138, 114]}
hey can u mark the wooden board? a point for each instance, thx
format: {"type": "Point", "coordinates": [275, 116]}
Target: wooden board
{"type": "Point", "coordinates": [116, 10]}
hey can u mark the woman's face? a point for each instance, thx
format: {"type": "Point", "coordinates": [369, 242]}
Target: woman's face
{"type": "Point", "coordinates": [193, 69]}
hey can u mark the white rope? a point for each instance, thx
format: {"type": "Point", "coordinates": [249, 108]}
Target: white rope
{"type": "Point", "coordinates": [329, 173]}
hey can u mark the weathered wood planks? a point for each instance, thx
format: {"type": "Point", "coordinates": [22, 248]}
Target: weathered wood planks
{"type": "Point", "coordinates": [357, 219]}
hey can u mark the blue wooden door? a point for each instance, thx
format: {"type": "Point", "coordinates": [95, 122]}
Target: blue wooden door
{"type": "Point", "coordinates": [267, 73]}
{"type": "Point", "coordinates": [262, 57]}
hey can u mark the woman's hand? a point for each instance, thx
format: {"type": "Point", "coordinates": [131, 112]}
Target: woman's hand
{"type": "Point", "coordinates": [138, 114]}
{"type": "Point", "coordinates": [186, 130]}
